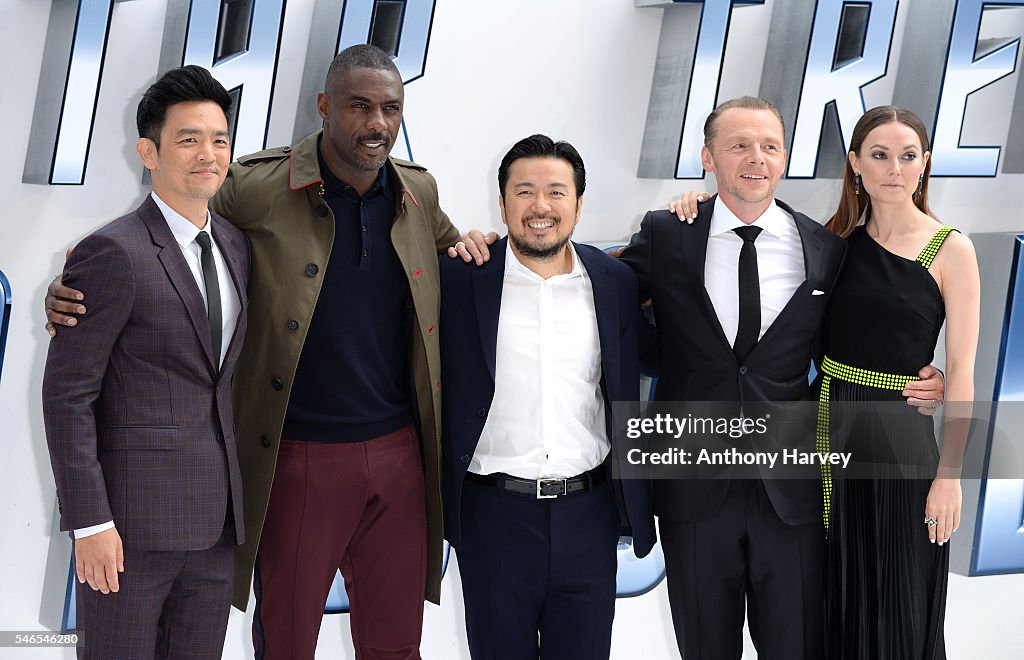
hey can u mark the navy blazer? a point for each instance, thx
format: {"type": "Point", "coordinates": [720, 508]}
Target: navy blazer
{"type": "Point", "coordinates": [468, 332]}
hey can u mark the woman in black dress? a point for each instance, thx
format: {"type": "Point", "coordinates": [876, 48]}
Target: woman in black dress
{"type": "Point", "coordinates": [905, 274]}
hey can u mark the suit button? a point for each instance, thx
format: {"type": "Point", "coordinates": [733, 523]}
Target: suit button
{"type": "Point", "coordinates": [293, 325]}
{"type": "Point", "coordinates": [277, 384]}
{"type": "Point", "coordinates": [265, 441]}
{"type": "Point", "coordinates": [321, 211]}
{"type": "Point", "coordinates": [743, 370]}
{"type": "Point", "coordinates": [312, 269]}
{"type": "Point", "coordinates": [286, 149]}
{"type": "Point", "coordinates": [464, 459]}
{"type": "Point", "coordinates": [220, 438]}
{"type": "Point", "coordinates": [481, 413]}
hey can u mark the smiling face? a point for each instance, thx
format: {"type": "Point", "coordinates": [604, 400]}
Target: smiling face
{"type": "Point", "coordinates": [362, 113]}
{"type": "Point", "coordinates": [540, 207]}
{"type": "Point", "coordinates": [193, 157]}
{"type": "Point", "coordinates": [891, 162]}
{"type": "Point", "coordinates": [748, 156]}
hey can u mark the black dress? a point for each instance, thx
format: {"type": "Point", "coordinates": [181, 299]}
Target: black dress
{"type": "Point", "coordinates": [886, 582]}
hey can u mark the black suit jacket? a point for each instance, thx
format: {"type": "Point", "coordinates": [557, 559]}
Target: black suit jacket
{"type": "Point", "coordinates": [470, 304]}
{"type": "Point", "coordinates": [696, 361]}
{"type": "Point", "coordinates": [138, 415]}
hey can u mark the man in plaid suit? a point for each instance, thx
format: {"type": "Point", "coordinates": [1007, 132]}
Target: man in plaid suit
{"type": "Point", "coordinates": [137, 403]}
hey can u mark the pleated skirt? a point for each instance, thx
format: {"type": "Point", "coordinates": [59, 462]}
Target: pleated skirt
{"type": "Point", "coordinates": [886, 582]}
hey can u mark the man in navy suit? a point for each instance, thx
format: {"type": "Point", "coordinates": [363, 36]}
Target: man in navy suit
{"type": "Point", "coordinates": [535, 346]}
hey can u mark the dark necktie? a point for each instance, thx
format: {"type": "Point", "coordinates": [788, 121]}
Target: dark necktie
{"type": "Point", "coordinates": [212, 293]}
{"type": "Point", "coordinates": [750, 294]}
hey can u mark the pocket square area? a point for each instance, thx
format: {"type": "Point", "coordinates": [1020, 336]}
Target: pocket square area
{"type": "Point", "coordinates": [817, 292]}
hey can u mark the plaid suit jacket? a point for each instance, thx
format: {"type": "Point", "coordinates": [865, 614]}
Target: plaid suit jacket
{"type": "Point", "coordinates": [138, 417]}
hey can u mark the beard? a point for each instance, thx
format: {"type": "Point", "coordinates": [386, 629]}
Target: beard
{"type": "Point", "coordinates": [371, 165]}
{"type": "Point", "coordinates": [539, 252]}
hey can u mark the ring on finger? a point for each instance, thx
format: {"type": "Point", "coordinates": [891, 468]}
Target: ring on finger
{"type": "Point", "coordinates": [931, 521]}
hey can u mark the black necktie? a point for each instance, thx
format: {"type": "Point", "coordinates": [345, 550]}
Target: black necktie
{"type": "Point", "coordinates": [213, 293]}
{"type": "Point", "coordinates": [749, 328]}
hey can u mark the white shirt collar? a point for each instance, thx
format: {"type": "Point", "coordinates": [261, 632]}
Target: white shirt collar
{"type": "Point", "coordinates": [774, 220]}
{"type": "Point", "coordinates": [511, 261]}
{"type": "Point", "coordinates": [184, 231]}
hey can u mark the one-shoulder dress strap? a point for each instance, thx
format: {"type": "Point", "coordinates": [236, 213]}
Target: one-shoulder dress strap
{"type": "Point", "coordinates": [927, 255]}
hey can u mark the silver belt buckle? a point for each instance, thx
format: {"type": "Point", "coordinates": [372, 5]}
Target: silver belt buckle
{"type": "Point", "coordinates": [541, 483]}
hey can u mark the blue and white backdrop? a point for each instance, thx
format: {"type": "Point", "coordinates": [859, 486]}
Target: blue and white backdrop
{"type": "Point", "coordinates": [629, 82]}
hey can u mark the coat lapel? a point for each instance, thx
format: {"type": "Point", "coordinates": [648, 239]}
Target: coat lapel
{"type": "Point", "coordinates": [487, 285]}
{"type": "Point", "coordinates": [811, 243]}
{"type": "Point", "coordinates": [606, 305]}
{"type": "Point", "coordinates": [695, 254]}
{"type": "Point", "coordinates": [179, 274]}
{"type": "Point", "coordinates": [232, 249]}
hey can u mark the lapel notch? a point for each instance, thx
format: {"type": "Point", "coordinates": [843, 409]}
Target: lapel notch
{"type": "Point", "coordinates": [180, 275]}
{"type": "Point", "coordinates": [487, 286]}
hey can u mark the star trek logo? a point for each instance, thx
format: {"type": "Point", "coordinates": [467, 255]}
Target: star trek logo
{"type": "Point", "coordinates": [238, 41]}
{"type": "Point", "coordinates": [820, 56]}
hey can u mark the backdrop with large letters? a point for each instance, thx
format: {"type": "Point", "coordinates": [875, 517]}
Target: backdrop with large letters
{"type": "Point", "coordinates": [629, 82]}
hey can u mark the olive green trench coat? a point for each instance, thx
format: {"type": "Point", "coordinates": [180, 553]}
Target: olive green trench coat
{"type": "Point", "coordinates": [276, 197]}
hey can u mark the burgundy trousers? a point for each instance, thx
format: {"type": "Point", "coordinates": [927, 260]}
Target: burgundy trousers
{"type": "Point", "coordinates": [357, 507]}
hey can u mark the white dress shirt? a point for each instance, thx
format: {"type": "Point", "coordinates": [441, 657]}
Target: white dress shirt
{"type": "Point", "coordinates": [547, 418]}
{"type": "Point", "coordinates": [780, 265]}
{"type": "Point", "coordinates": [185, 234]}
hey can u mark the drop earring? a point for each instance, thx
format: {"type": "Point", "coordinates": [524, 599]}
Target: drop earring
{"type": "Point", "coordinates": [856, 183]}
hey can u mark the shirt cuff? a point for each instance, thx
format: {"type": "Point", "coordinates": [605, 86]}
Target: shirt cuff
{"type": "Point", "coordinates": [95, 529]}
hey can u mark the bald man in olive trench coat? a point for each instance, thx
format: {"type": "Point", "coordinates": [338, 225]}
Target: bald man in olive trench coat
{"type": "Point", "coordinates": [276, 197]}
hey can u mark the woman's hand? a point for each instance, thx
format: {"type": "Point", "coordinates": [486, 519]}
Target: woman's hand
{"type": "Point", "coordinates": [943, 505]}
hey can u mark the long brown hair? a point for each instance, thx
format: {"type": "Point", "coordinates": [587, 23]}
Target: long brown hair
{"type": "Point", "coordinates": [851, 205]}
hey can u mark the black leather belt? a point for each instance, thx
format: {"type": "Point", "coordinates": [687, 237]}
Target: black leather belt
{"type": "Point", "coordinates": [542, 489]}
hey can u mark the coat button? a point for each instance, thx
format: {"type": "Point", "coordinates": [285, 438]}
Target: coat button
{"type": "Point", "coordinates": [312, 269]}
{"type": "Point", "coordinates": [277, 384]}
{"type": "Point", "coordinates": [464, 459]}
{"type": "Point", "coordinates": [743, 370]}
{"type": "Point", "coordinates": [293, 325]}
{"type": "Point", "coordinates": [321, 211]}
{"type": "Point", "coordinates": [285, 149]}
{"type": "Point", "coordinates": [481, 413]}
{"type": "Point", "coordinates": [265, 441]}
{"type": "Point", "coordinates": [220, 438]}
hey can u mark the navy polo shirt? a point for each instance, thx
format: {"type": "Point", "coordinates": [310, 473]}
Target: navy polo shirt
{"type": "Point", "coordinates": [352, 381]}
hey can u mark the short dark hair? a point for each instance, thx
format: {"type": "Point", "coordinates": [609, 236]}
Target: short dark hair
{"type": "Point", "coordinates": [541, 146]}
{"type": "Point", "coordinates": [746, 103]}
{"type": "Point", "coordinates": [187, 83]}
{"type": "Point", "coordinates": [360, 56]}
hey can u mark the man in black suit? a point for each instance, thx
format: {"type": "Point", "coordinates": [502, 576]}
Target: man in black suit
{"type": "Point", "coordinates": [728, 336]}
{"type": "Point", "coordinates": [535, 346]}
